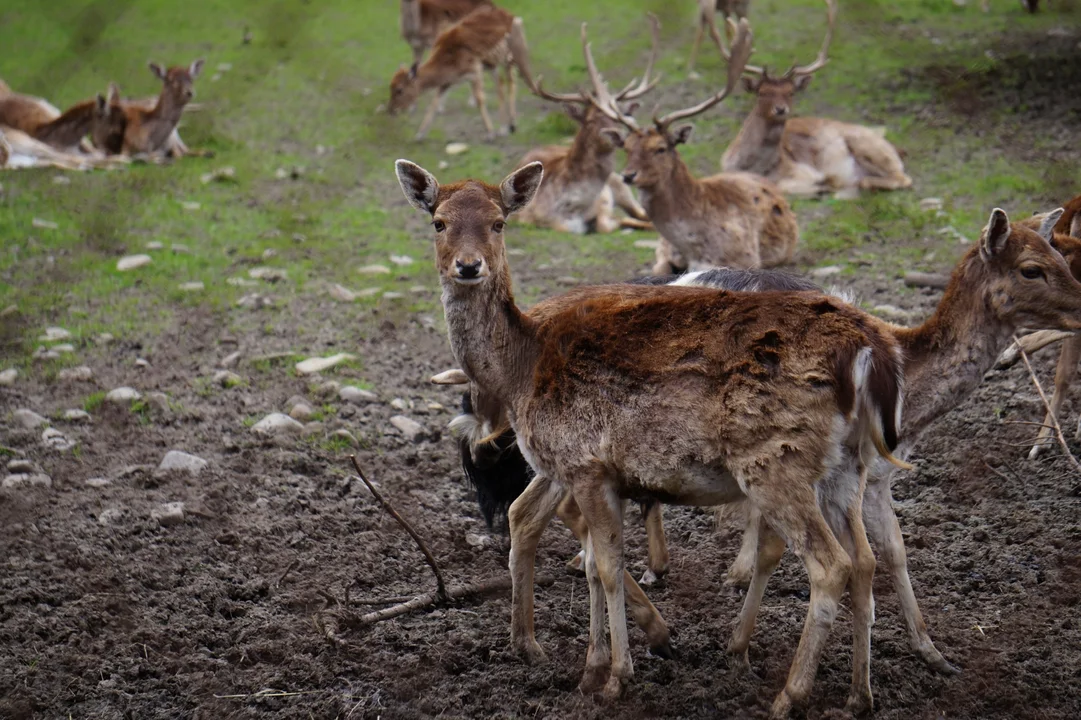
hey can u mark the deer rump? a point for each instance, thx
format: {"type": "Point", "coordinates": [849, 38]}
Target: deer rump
{"type": "Point", "coordinates": [491, 460]}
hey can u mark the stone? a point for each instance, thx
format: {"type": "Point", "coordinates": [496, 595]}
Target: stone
{"type": "Point", "coordinates": [456, 148]}
{"type": "Point", "coordinates": [81, 373]}
{"type": "Point", "coordinates": [400, 404]}
{"type": "Point", "coordinates": [319, 364]}
{"type": "Point", "coordinates": [342, 293]}
{"type": "Point", "coordinates": [269, 253]}
{"type": "Point", "coordinates": [221, 174]}
{"type": "Point", "coordinates": [411, 429]}
{"type": "Point", "coordinates": [347, 436]}
{"type": "Point", "coordinates": [43, 224]}
{"type": "Point", "coordinates": [369, 292]}
{"type": "Point", "coordinates": [268, 274]}
{"type": "Point", "coordinates": [374, 270]}
{"type": "Point", "coordinates": [131, 262]}
{"type": "Point", "coordinates": [931, 204]}
{"type": "Point", "coordinates": [168, 514]}
{"type": "Point", "coordinates": [21, 465]}
{"type": "Point", "coordinates": [276, 423]}
{"type": "Point", "coordinates": [328, 389]}
{"type": "Point", "coordinates": [42, 354]}
{"type": "Point", "coordinates": [647, 244]}
{"type": "Point", "coordinates": [436, 407]}
{"type": "Point", "coordinates": [401, 260]}
{"type": "Point", "coordinates": [182, 461]}
{"type": "Point", "coordinates": [142, 362]}
{"type": "Point", "coordinates": [66, 348]}
{"type": "Point", "coordinates": [391, 295]}
{"type": "Point", "coordinates": [477, 541]}
{"type": "Point", "coordinates": [155, 245]}
{"type": "Point", "coordinates": [7, 377]}
{"type": "Point", "coordinates": [53, 334]}
{"type": "Point", "coordinates": [76, 415]}
{"type": "Point", "coordinates": [55, 440]}
{"type": "Point", "coordinates": [826, 271]}
{"type": "Point", "coordinates": [98, 482]}
{"type": "Point", "coordinates": [357, 396]}
{"type": "Point", "coordinates": [227, 379]}
{"type": "Point", "coordinates": [418, 289]}
{"type": "Point", "coordinates": [231, 359]}
{"type": "Point", "coordinates": [110, 516]}
{"type": "Point", "coordinates": [105, 338]}
{"type": "Point", "coordinates": [27, 479]}
{"type": "Point", "coordinates": [160, 402]}
{"type": "Point", "coordinates": [254, 301]}
{"type": "Point", "coordinates": [123, 395]}
{"type": "Point", "coordinates": [302, 411]}
{"type": "Point", "coordinates": [28, 419]}
{"type": "Point", "coordinates": [192, 286]}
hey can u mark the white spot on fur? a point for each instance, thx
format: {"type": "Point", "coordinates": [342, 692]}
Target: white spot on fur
{"type": "Point", "coordinates": [689, 279]}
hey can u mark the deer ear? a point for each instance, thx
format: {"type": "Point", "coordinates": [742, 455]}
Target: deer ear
{"type": "Point", "coordinates": [158, 70]}
{"type": "Point", "coordinates": [1075, 226]}
{"type": "Point", "coordinates": [681, 135]}
{"type": "Point", "coordinates": [412, 71]}
{"type": "Point", "coordinates": [801, 82]}
{"type": "Point", "coordinates": [419, 185]}
{"type": "Point", "coordinates": [576, 112]}
{"type": "Point", "coordinates": [613, 136]}
{"type": "Point", "coordinates": [196, 68]}
{"type": "Point", "coordinates": [114, 94]}
{"type": "Point", "coordinates": [750, 84]}
{"type": "Point", "coordinates": [518, 188]}
{"type": "Point", "coordinates": [1047, 227]}
{"type": "Point", "coordinates": [996, 234]}
{"type": "Point", "coordinates": [99, 103]}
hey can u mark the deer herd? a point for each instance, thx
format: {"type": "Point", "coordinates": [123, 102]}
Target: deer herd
{"type": "Point", "coordinates": [715, 382]}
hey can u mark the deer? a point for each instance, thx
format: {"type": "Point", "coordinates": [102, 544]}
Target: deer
{"type": "Point", "coordinates": [151, 127]}
{"type": "Point", "coordinates": [488, 38]}
{"type": "Point", "coordinates": [62, 131]}
{"type": "Point", "coordinates": [707, 9]}
{"type": "Point", "coordinates": [754, 394]}
{"type": "Point", "coordinates": [580, 189]}
{"type": "Point", "coordinates": [423, 20]}
{"type": "Point", "coordinates": [809, 156]}
{"type": "Point", "coordinates": [19, 150]}
{"type": "Point", "coordinates": [736, 220]}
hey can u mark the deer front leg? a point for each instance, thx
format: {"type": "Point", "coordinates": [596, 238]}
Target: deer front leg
{"type": "Point", "coordinates": [433, 106]}
{"type": "Point", "coordinates": [657, 566]}
{"type": "Point", "coordinates": [624, 198]}
{"type": "Point", "coordinates": [478, 95]}
{"type": "Point", "coordinates": [512, 92]}
{"type": "Point", "coordinates": [1064, 376]}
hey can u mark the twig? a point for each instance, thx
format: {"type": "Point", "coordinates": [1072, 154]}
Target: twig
{"type": "Point", "coordinates": [996, 471]}
{"type": "Point", "coordinates": [441, 587]}
{"type": "Point", "coordinates": [921, 279]}
{"type": "Point", "coordinates": [488, 587]}
{"type": "Point", "coordinates": [1047, 406]}
{"type": "Point", "coordinates": [267, 693]}
{"type": "Point", "coordinates": [385, 601]}
{"type": "Point", "coordinates": [288, 569]}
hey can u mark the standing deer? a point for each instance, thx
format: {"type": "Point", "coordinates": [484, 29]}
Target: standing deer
{"type": "Point", "coordinates": [735, 220]}
{"type": "Point", "coordinates": [580, 188]}
{"type": "Point", "coordinates": [740, 393]}
{"type": "Point", "coordinates": [423, 20]}
{"type": "Point", "coordinates": [487, 38]}
{"type": "Point", "coordinates": [809, 156]}
{"type": "Point", "coordinates": [707, 11]}
{"type": "Point", "coordinates": [151, 129]}
{"type": "Point", "coordinates": [65, 131]}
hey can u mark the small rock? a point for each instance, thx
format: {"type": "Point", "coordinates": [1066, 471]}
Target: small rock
{"type": "Point", "coordinates": [374, 270]}
{"type": "Point", "coordinates": [318, 364]}
{"type": "Point", "coordinates": [931, 204]}
{"type": "Point", "coordinates": [222, 174]}
{"type": "Point", "coordinates": [436, 407]}
{"type": "Point", "coordinates": [64, 348]}
{"type": "Point", "coordinates": [477, 541]}
{"type": "Point", "coordinates": [276, 423]}
{"type": "Point", "coordinates": [241, 282]}
{"type": "Point", "coordinates": [132, 262]}
{"type": "Point", "coordinates": [342, 293]}
{"type": "Point", "coordinates": [155, 245]}
{"type": "Point", "coordinates": [254, 301]}
{"type": "Point", "coordinates": [23, 479]}
{"type": "Point", "coordinates": [401, 260]}
{"type": "Point", "coordinates": [647, 244]}
{"type": "Point", "coordinates": [189, 205]}
{"type": "Point", "coordinates": [76, 415]}
{"type": "Point", "coordinates": [302, 412]}
{"type": "Point", "coordinates": [55, 440]}
{"type": "Point", "coordinates": [8, 376]}
{"type": "Point", "coordinates": [123, 395]}
{"type": "Point", "coordinates": [142, 362]}
{"type": "Point", "coordinates": [110, 516]}
{"type": "Point", "coordinates": [455, 148]}
{"type": "Point", "coordinates": [21, 466]}
{"type": "Point", "coordinates": [357, 396]}
{"type": "Point", "coordinates": [826, 271]}
{"type": "Point", "coordinates": [443, 164]}
{"type": "Point", "coordinates": [268, 273]}
{"type": "Point", "coordinates": [231, 359]}
{"type": "Point", "coordinates": [179, 249]}
{"type": "Point", "coordinates": [160, 402]}
{"type": "Point", "coordinates": [400, 404]}
{"type": "Point", "coordinates": [347, 436]}
{"type": "Point", "coordinates": [269, 253]}
{"type": "Point", "coordinates": [391, 295]}
{"type": "Point", "coordinates": [313, 428]}
{"type": "Point", "coordinates": [192, 286]}
{"type": "Point", "coordinates": [28, 419]}
{"type": "Point", "coordinates": [75, 374]}
{"type": "Point", "coordinates": [98, 482]}
{"type": "Point", "coordinates": [169, 514]}
{"type": "Point", "coordinates": [412, 429]}
{"type": "Point", "coordinates": [44, 224]}
{"type": "Point", "coordinates": [179, 460]}
{"type": "Point", "coordinates": [328, 389]}
{"type": "Point", "coordinates": [53, 334]}
{"type": "Point", "coordinates": [227, 379]}
{"type": "Point", "coordinates": [61, 180]}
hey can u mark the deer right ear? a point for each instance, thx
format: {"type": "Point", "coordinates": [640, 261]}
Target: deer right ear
{"type": "Point", "coordinates": [576, 112]}
{"type": "Point", "coordinates": [681, 135]}
{"type": "Point", "coordinates": [419, 185]}
{"type": "Point", "coordinates": [114, 94]}
{"type": "Point", "coordinates": [751, 85]}
{"type": "Point", "coordinates": [996, 234]}
{"type": "Point", "coordinates": [158, 70]}
{"type": "Point", "coordinates": [413, 71]}
{"type": "Point", "coordinates": [613, 136]}
{"type": "Point", "coordinates": [520, 186]}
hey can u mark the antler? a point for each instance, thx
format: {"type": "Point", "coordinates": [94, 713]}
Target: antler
{"type": "Point", "coordinates": [822, 58]}
{"type": "Point", "coordinates": [737, 63]}
{"type": "Point", "coordinates": [631, 92]}
{"type": "Point", "coordinates": [601, 97]}
{"type": "Point", "coordinates": [727, 54]}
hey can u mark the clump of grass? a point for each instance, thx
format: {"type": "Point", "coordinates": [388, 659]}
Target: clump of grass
{"type": "Point", "coordinates": [93, 402]}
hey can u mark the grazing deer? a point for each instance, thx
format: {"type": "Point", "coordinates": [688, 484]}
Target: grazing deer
{"type": "Point", "coordinates": [739, 393]}
{"type": "Point", "coordinates": [580, 189]}
{"type": "Point", "coordinates": [18, 151]}
{"type": "Point", "coordinates": [151, 130]}
{"type": "Point", "coordinates": [733, 219]}
{"type": "Point", "coordinates": [1012, 278]}
{"type": "Point", "coordinates": [707, 10]}
{"type": "Point", "coordinates": [487, 38]}
{"type": "Point", "coordinates": [809, 156]}
{"type": "Point", "coordinates": [41, 121]}
{"type": "Point", "coordinates": [423, 20]}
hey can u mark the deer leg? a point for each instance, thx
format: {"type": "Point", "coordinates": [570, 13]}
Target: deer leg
{"type": "Point", "coordinates": [885, 531]}
{"type": "Point", "coordinates": [892, 182]}
{"type": "Point", "coordinates": [430, 114]}
{"type": "Point", "coordinates": [1064, 375]}
{"type": "Point", "coordinates": [512, 92]}
{"type": "Point", "coordinates": [658, 548]}
{"type": "Point", "coordinates": [739, 574]}
{"type": "Point", "coordinates": [766, 554]}
{"type": "Point", "coordinates": [624, 198]}
{"type": "Point", "coordinates": [527, 518]}
{"type": "Point", "coordinates": [478, 95]}
{"type": "Point", "coordinates": [571, 516]}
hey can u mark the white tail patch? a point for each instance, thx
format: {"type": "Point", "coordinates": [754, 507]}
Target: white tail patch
{"type": "Point", "coordinates": [688, 279]}
{"type": "Point", "coordinates": [469, 427]}
{"type": "Point", "coordinates": [870, 430]}
{"type": "Point", "coordinates": [844, 295]}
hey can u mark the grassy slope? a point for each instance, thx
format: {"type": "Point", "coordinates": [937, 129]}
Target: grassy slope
{"type": "Point", "coordinates": [316, 73]}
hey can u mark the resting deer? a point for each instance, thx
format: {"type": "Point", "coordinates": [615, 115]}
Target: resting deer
{"type": "Point", "coordinates": [423, 20]}
{"type": "Point", "coordinates": [809, 156]}
{"type": "Point", "coordinates": [707, 10]}
{"type": "Point", "coordinates": [487, 38]}
{"type": "Point", "coordinates": [19, 151]}
{"type": "Point", "coordinates": [580, 189]}
{"type": "Point", "coordinates": [754, 393]}
{"type": "Point", "coordinates": [65, 131]}
{"type": "Point", "coordinates": [151, 128]}
{"type": "Point", "coordinates": [733, 219]}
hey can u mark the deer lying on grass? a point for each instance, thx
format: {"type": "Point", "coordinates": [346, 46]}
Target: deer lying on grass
{"type": "Point", "coordinates": [707, 11]}
{"type": "Point", "coordinates": [1012, 278]}
{"type": "Point", "coordinates": [754, 393]}
{"type": "Point", "coordinates": [734, 219]}
{"type": "Point", "coordinates": [423, 20]}
{"type": "Point", "coordinates": [64, 132]}
{"type": "Point", "coordinates": [809, 156]}
{"type": "Point", "coordinates": [19, 151]}
{"type": "Point", "coordinates": [487, 38]}
{"type": "Point", "coordinates": [151, 124]}
{"type": "Point", "coordinates": [580, 189]}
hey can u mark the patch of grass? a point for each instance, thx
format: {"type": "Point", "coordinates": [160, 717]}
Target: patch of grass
{"type": "Point", "coordinates": [142, 410]}
{"type": "Point", "coordinates": [93, 401]}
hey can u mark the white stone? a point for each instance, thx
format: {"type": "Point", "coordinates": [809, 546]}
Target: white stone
{"type": "Point", "coordinates": [61, 180]}
{"type": "Point", "coordinates": [55, 440]}
{"type": "Point", "coordinates": [347, 436]}
{"type": "Point", "coordinates": [81, 373]}
{"type": "Point", "coordinates": [342, 293]}
{"type": "Point", "coordinates": [647, 244]}
{"type": "Point", "coordinates": [21, 465]}
{"type": "Point", "coordinates": [155, 245]}
{"type": "Point", "coordinates": [28, 419]}
{"type": "Point", "coordinates": [267, 273]}
{"type": "Point", "coordinates": [826, 271]}
{"type": "Point", "coordinates": [374, 270]}
{"type": "Point", "coordinates": [76, 415]}
{"type": "Point", "coordinates": [319, 364]}
{"type": "Point", "coordinates": [255, 301]}
{"type": "Point", "coordinates": [142, 362]}
{"type": "Point", "coordinates": [477, 541]}
{"type": "Point", "coordinates": [368, 292]}
{"type": "Point", "coordinates": [412, 429]}
{"type": "Point", "coordinates": [42, 354]}
{"type": "Point", "coordinates": [301, 411]}
{"type": "Point", "coordinates": [328, 389]}
{"type": "Point", "coordinates": [227, 378]}
{"type": "Point", "coordinates": [169, 514]}
{"type": "Point", "coordinates": [456, 148]}
{"type": "Point", "coordinates": [31, 479]}
{"type": "Point", "coordinates": [179, 460]}
{"type": "Point", "coordinates": [391, 295]}
{"type": "Point", "coordinates": [98, 482]}
{"type": "Point", "coordinates": [418, 289]}
{"type": "Point", "coordinates": [436, 407]}
{"type": "Point", "coordinates": [132, 262]}
{"type": "Point", "coordinates": [64, 348]}
{"type": "Point", "coordinates": [44, 224]}
{"type": "Point", "coordinates": [892, 311]}
{"type": "Point", "coordinates": [179, 249]}
{"type": "Point", "coordinates": [53, 334]}
{"type": "Point", "coordinates": [400, 404]}
{"type": "Point", "coordinates": [123, 395]}
{"type": "Point", "coordinates": [930, 204]}
{"type": "Point", "coordinates": [192, 286]}
{"type": "Point", "coordinates": [357, 396]}
{"type": "Point", "coordinates": [276, 423]}
{"type": "Point", "coordinates": [8, 376]}
{"type": "Point", "coordinates": [402, 260]}
{"type": "Point", "coordinates": [110, 516]}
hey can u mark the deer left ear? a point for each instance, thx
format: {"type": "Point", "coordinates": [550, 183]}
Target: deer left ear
{"type": "Point", "coordinates": [1075, 226]}
{"type": "Point", "coordinates": [419, 185]}
{"type": "Point", "coordinates": [750, 84]}
{"type": "Point", "coordinates": [158, 70]}
{"type": "Point", "coordinates": [99, 103]}
{"type": "Point", "coordinates": [196, 68]}
{"type": "Point", "coordinates": [801, 82]}
{"type": "Point", "coordinates": [413, 71]}
{"type": "Point", "coordinates": [995, 234]}
{"type": "Point", "coordinates": [1047, 227]}
{"type": "Point", "coordinates": [681, 134]}
{"type": "Point", "coordinates": [613, 136]}
{"type": "Point", "coordinates": [518, 188]}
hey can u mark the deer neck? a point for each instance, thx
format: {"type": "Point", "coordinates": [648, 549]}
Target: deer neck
{"type": "Point", "coordinates": [68, 129]}
{"type": "Point", "coordinates": [585, 161]}
{"type": "Point", "coordinates": [493, 342]}
{"type": "Point", "coordinates": [757, 146]}
{"type": "Point", "coordinates": [947, 356]}
{"type": "Point", "coordinates": [669, 199]}
{"type": "Point", "coordinates": [437, 71]}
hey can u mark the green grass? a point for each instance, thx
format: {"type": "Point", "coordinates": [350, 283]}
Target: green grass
{"type": "Point", "coordinates": [306, 91]}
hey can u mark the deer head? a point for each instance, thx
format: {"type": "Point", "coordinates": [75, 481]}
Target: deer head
{"type": "Point", "coordinates": [178, 82]}
{"type": "Point", "coordinates": [110, 123]}
{"type": "Point", "coordinates": [468, 218]}
{"type": "Point", "coordinates": [404, 89]}
{"type": "Point", "coordinates": [651, 153]}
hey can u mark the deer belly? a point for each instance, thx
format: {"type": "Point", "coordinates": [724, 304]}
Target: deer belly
{"type": "Point", "coordinates": [695, 483]}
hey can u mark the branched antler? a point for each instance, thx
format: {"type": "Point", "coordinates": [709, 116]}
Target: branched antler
{"type": "Point", "coordinates": [796, 70]}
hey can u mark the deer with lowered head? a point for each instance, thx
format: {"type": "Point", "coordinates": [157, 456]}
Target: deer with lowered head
{"type": "Point", "coordinates": [809, 156]}
{"type": "Point", "coordinates": [740, 393]}
{"type": "Point", "coordinates": [580, 188]}
{"type": "Point", "coordinates": [423, 20]}
{"type": "Point", "coordinates": [735, 220]}
{"type": "Point", "coordinates": [64, 132]}
{"type": "Point", "coordinates": [487, 38]}
{"type": "Point", "coordinates": [19, 150]}
{"type": "Point", "coordinates": [151, 125]}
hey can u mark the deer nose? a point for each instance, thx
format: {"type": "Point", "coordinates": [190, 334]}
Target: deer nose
{"type": "Point", "coordinates": [780, 110]}
{"type": "Point", "coordinates": [468, 270]}
{"type": "Point", "coordinates": [629, 176]}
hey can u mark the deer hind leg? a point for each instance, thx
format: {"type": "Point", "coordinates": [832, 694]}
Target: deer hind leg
{"type": "Point", "coordinates": [742, 568]}
{"type": "Point", "coordinates": [766, 554]}
{"type": "Point", "coordinates": [527, 518]}
{"type": "Point", "coordinates": [433, 106]}
{"type": "Point", "coordinates": [657, 566]}
{"type": "Point", "coordinates": [478, 95]}
{"type": "Point", "coordinates": [1064, 375]}
{"type": "Point", "coordinates": [885, 532]}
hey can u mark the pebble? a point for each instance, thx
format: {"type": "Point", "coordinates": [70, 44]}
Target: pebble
{"type": "Point", "coordinates": [155, 245]}
{"type": "Point", "coordinates": [477, 541]}
{"type": "Point", "coordinates": [76, 374]}
{"type": "Point", "coordinates": [55, 440]}
{"type": "Point", "coordinates": [391, 295]}
{"type": "Point", "coordinates": [412, 429]}
{"type": "Point", "coordinates": [221, 174]}
{"type": "Point", "coordinates": [276, 423]}
{"type": "Point", "coordinates": [123, 395]}
{"type": "Point", "coordinates": [227, 379]}
{"type": "Point", "coordinates": [374, 270]}
{"type": "Point", "coordinates": [368, 292]}
{"type": "Point", "coordinates": [456, 148]}
{"type": "Point", "coordinates": [142, 362]}
{"type": "Point", "coordinates": [343, 294]}
{"type": "Point", "coordinates": [105, 338]}
{"type": "Point", "coordinates": [28, 419]}
{"type": "Point", "coordinates": [76, 415]}
{"type": "Point", "coordinates": [400, 404]}
{"type": "Point", "coordinates": [31, 479]}
{"type": "Point", "coordinates": [192, 286]}
{"type": "Point", "coordinates": [179, 460]}
{"type": "Point", "coordinates": [313, 428]}
{"type": "Point", "coordinates": [436, 407]}
{"type": "Point", "coordinates": [109, 516]}
{"type": "Point", "coordinates": [347, 436]}
{"type": "Point", "coordinates": [401, 260]}
{"type": "Point", "coordinates": [254, 301]}
{"type": "Point", "coordinates": [328, 389]}
{"type": "Point", "coordinates": [826, 271]}
{"type": "Point", "coordinates": [169, 514]}
{"type": "Point", "coordinates": [302, 411]}
{"type": "Point", "coordinates": [267, 273]}
{"type": "Point", "coordinates": [269, 253]}
{"type": "Point", "coordinates": [98, 482]}
{"type": "Point", "coordinates": [231, 359]}
{"type": "Point", "coordinates": [160, 402]}
{"type": "Point", "coordinates": [52, 334]}
{"type": "Point", "coordinates": [930, 204]}
{"type": "Point", "coordinates": [132, 262]}
{"type": "Point", "coordinates": [318, 364]}
{"type": "Point", "coordinates": [357, 396]}
{"type": "Point", "coordinates": [241, 282]}
{"type": "Point", "coordinates": [8, 376]}
{"type": "Point", "coordinates": [20, 465]}
{"type": "Point", "coordinates": [43, 224]}
{"type": "Point", "coordinates": [64, 348]}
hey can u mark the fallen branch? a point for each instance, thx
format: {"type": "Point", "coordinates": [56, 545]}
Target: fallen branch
{"type": "Point", "coordinates": [922, 279]}
{"type": "Point", "coordinates": [1047, 406]}
{"type": "Point", "coordinates": [481, 589]}
{"type": "Point", "coordinates": [1029, 343]}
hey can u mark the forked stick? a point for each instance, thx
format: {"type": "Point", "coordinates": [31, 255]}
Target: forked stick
{"type": "Point", "coordinates": [1047, 406]}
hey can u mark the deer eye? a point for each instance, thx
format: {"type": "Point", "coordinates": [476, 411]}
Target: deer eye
{"type": "Point", "coordinates": [498, 226]}
{"type": "Point", "coordinates": [660, 151]}
{"type": "Point", "coordinates": [1032, 272]}
{"type": "Point", "coordinates": [439, 226]}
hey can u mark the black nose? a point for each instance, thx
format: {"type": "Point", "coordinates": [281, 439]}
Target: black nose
{"type": "Point", "coordinates": [629, 176]}
{"type": "Point", "coordinates": [467, 271]}
{"type": "Point", "coordinates": [780, 111]}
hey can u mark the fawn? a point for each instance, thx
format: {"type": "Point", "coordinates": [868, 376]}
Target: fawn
{"type": "Point", "coordinates": [151, 128]}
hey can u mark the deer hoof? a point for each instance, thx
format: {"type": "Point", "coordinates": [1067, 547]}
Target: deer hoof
{"type": "Point", "coordinates": [593, 679]}
{"type": "Point", "coordinates": [651, 579]}
{"type": "Point", "coordinates": [530, 651]}
{"type": "Point", "coordinates": [782, 705]}
{"type": "Point", "coordinates": [860, 702]}
{"type": "Point", "coordinates": [613, 689]}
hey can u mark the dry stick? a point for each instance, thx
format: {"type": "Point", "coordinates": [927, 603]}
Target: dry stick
{"type": "Point", "coordinates": [441, 587]}
{"type": "Point", "coordinates": [487, 587]}
{"type": "Point", "coordinates": [1047, 405]}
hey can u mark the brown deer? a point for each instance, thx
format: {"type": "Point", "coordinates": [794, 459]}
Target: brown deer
{"type": "Point", "coordinates": [580, 188]}
{"type": "Point", "coordinates": [809, 156]}
{"type": "Point", "coordinates": [65, 131]}
{"type": "Point", "coordinates": [707, 11]}
{"type": "Point", "coordinates": [487, 38]}
{"type": "Point", "coordinates": [1012, 278]}
{"type": "Point", "coordinates": [19, 150]}
{"type": "Point", "coordinates": [423, 20]}
{"type": "Point", "coordinates": [755, 393]}
{"type": "Point", "coordinates": [151, 130]}
{"type": "Point", "coordinates": [734, 220]}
